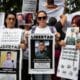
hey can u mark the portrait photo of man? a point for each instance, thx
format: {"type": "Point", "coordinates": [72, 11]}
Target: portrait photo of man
{"type": "Point", "coordinates": [9, 62]}
{"type": "Point", "coordinates": [42, 52]}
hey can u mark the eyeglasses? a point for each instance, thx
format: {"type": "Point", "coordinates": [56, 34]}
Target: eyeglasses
{"type": "Point", "coordinates": [43, 17]}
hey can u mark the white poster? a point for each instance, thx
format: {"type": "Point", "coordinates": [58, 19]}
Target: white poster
{"type": "Point", "coordinates": [57, 12]}
{"type": "Point", "coordinates": [29, 6]}
{"type": "Point", "coordinates": [10, 38]}
{"type": "Point", "coordinates": [10, 64]}
{"type": "Point", "coordinates": [41, 54]}
{"type": "Point", "coordinates": [69, 59]}
{"type": "Point", "coordinates": [2, 15]}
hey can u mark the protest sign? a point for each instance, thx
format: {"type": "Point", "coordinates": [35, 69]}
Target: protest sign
{"type": "Point", "coordinates": [69, 59]}
{"type": "Point", "coordinates": [10, 38]}
{"type": "Point", "coordinates": [29, 6]}
{"type": "Point", "coordinates": [41, 54]}
{"type": "Point", "coordinates": [10, 64]}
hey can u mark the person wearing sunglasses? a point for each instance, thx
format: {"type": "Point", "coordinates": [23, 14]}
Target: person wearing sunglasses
{"type": "Point", "coordinates": [42, 28]}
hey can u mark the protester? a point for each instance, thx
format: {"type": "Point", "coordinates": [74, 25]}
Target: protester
{"type": "Point", "coordinates": [25, 74]}
{"type": "Point", "coordinates": [11, 23]}
{"type": "Point", "coordinates": [59, 42]}
{"type": "Point", "coordinates": [42, 28]}
{"type": "Point", "coordinates": [75, 24]}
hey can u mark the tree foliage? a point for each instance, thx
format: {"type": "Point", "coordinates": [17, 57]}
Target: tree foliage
{"type": "Point", "coordinates": [72, 5]}
{"type": "Point", "coordinates": [10, 5]}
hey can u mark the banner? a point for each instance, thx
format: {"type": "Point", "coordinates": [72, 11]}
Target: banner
{"type": "Point", "coordinates": [57, 12]}
{"type": "Point", "coordinates": [69, 59]}
{"type": "Point", "coordinates": [10, 64]}
{"type": "Point", "coordinates": [41, 54]}
{"type": "Point", "coordinates": [29, 6]}
{"type": "Point", "coordinates": [10, 38]}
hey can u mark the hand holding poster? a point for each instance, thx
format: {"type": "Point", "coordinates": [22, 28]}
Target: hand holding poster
{"type": "Point", "coordinates": [41, 54]}
{"type": "Point", "coordinates": [69, 59]}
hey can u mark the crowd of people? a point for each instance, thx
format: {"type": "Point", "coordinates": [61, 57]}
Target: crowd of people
{"type": "Point", "coordinates": [41, 27]}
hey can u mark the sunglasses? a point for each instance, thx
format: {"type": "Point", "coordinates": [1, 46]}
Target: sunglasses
{"type": "Point", "coordinates": [43, 17]}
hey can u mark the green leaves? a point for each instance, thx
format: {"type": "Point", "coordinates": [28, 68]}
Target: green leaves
{"type": "Point", "coordinates": [8, 5]}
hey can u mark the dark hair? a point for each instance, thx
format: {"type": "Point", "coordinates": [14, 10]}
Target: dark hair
{"type": "Point", "coordinates": [8, 52]}
{"type": "Point", "coordinates": [42, 41]}
{"type": "Point", "coordinates": [6, 15]}
{"type": "Point", "coordinates": [26, 17]}
{"type": "Point", "coordinates": [52, 21]}
{"type": "Point", "coordinates": [41, 12]}
{"type": "Point", "coordinates": [21, 15]}
{"type": "Point", "coordinates": [77, 20]}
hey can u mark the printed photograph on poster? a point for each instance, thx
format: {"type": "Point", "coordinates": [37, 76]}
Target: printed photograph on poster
{"type": "Point", "coordinates": [41, 56]}
{"type": "Point", "coordinates": [9, 61]}
{"type": "Point", "coordinates": [8, 77]}
{"type": "Point", "coordinates": [70, 40]}
{"type": "Point", "coordinates": [25, 19]}
{"type": "Point", "coordinates": [71, 35]}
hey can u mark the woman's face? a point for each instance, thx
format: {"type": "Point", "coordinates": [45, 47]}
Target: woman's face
{"type": "Point", "coordinates": [42, 19]}
{"type": "Point", "coordinates": [10, 21]}
{"type": "Point", "coordinates": [30, 17]}
{"type": "Point", "coordinates": [74, 23]}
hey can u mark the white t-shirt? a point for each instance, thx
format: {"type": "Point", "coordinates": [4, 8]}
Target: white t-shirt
{"type": "Point", "coordinates": [9, 64]}
{"type": "Point", "coordinates": [45, 30]}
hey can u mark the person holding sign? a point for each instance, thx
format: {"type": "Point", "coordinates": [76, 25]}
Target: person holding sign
{"type": "Point", "coordinates": [75, 29]}
{"type": "Point", "coordinates": [42, 28]}
{"type": "Point", "coordinates": [10, 22]}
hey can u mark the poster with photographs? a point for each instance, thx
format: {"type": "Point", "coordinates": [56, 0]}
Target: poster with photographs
{"type": "Point", "coordinates": [69, 59]}
{"type": "Point", "coordinates": [54, 8]}
{"type": "Point", "coordinates": [2, 15]}
{"type": "Point", "coordinates": [41, 54]}
{"type": "Point", "coordinates": [25, 19]}
{"type": "Point", "coordinates": [10, 64]}
{"type": "Point", "coordinates": [10, 38]}
{"type": "Point", "coordinates": [29, 6]}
